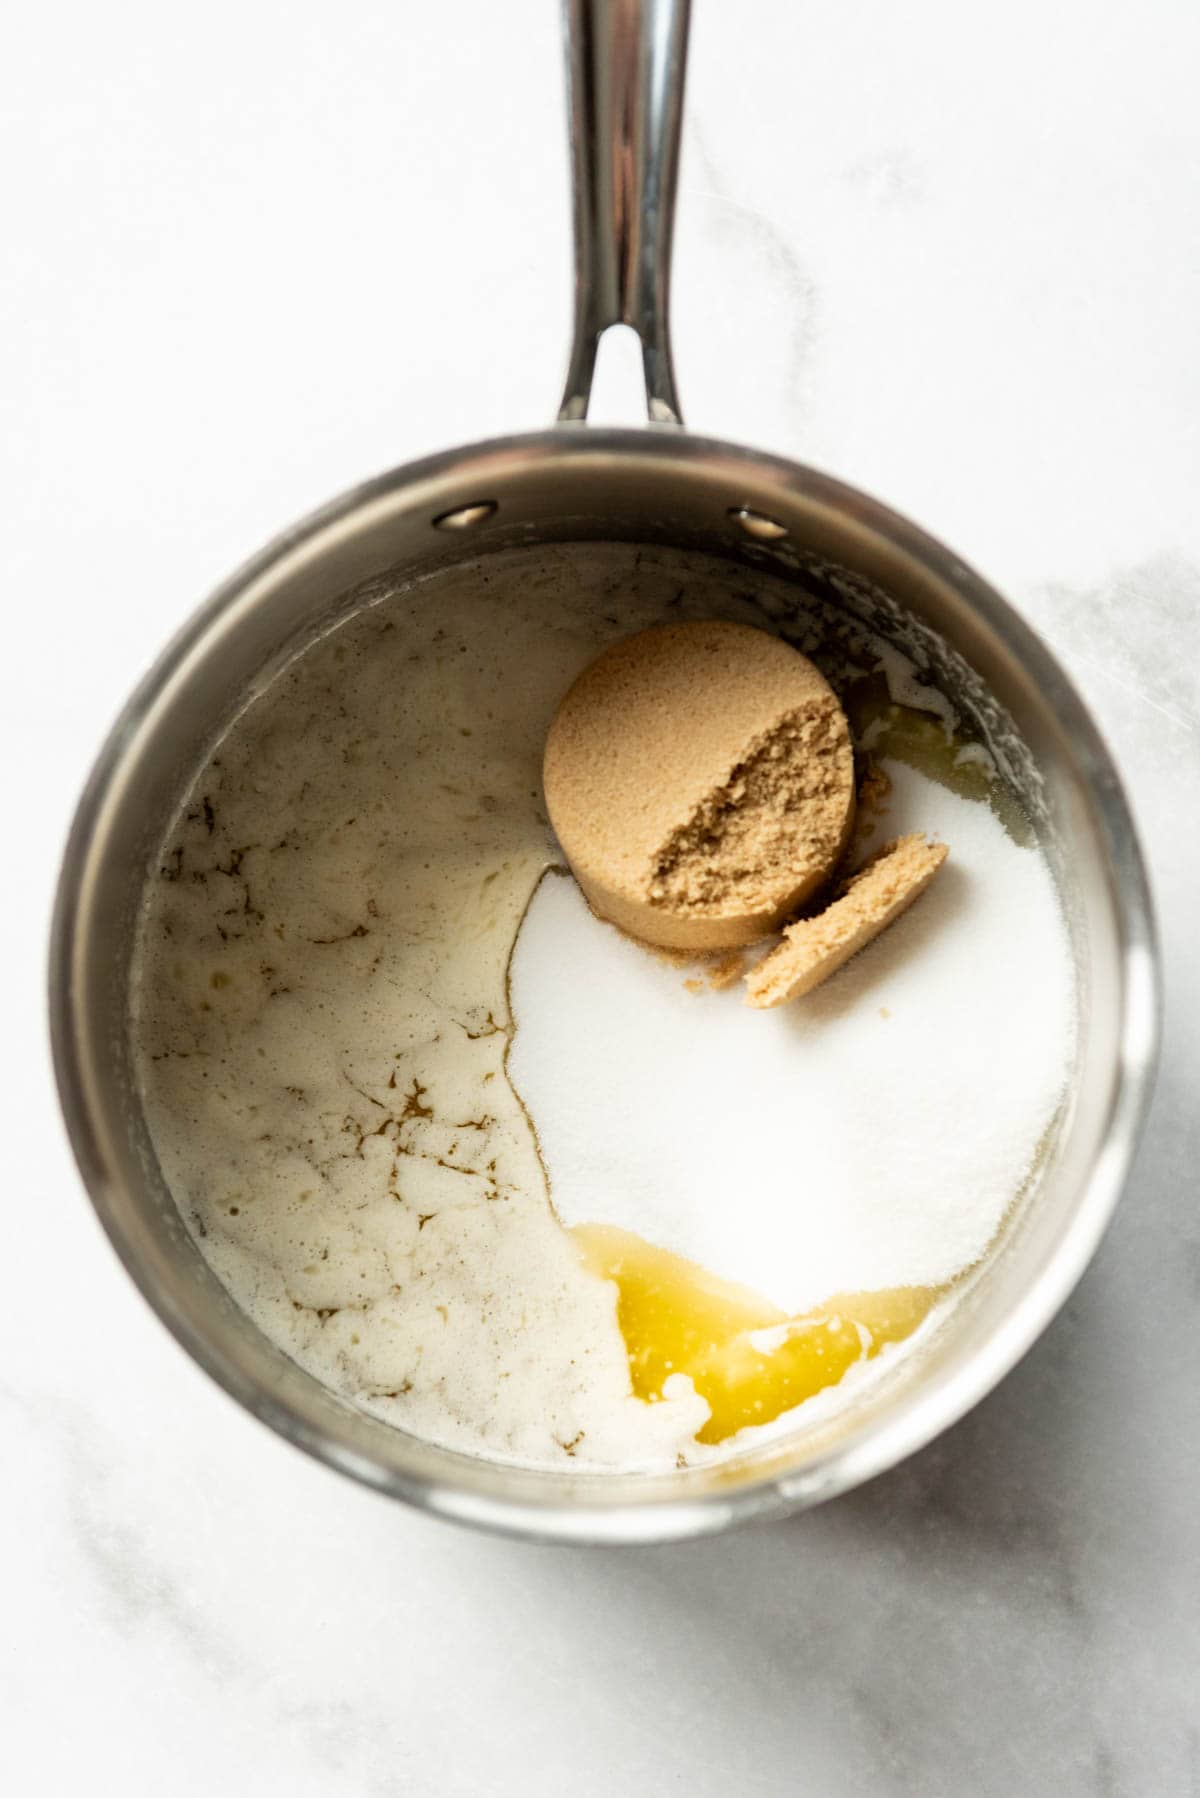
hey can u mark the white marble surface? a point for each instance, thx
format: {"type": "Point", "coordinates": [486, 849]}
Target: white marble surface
{"type": "Point", "coordinates": [255, 252]}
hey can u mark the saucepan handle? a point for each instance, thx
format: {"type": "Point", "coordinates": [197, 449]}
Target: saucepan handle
{"type": "Point", "coordinates": [625, 63]}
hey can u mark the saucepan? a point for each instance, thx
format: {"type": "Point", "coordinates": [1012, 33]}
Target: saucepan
{"type": "Point", "coordinates": [658, 484]}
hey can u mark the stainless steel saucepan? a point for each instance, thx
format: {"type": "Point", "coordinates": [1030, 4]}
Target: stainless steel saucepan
{"type": "Point", "coordinates": [579, 484]}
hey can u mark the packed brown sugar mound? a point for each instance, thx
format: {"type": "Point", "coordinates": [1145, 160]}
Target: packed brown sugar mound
{"type": "Point", "coordinates": [816, 947]}
{"type": "Point", "coordinates": [700, 779]}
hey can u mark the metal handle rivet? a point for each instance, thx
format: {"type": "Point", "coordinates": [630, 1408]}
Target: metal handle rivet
{"type": "Point", "coordinates": [463, 517]}
{"type": "Point", "coordinates": [757, 524]}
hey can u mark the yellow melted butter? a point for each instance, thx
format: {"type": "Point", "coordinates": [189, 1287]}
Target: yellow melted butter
{"type": "Point", "coordinates": [677, 1318]}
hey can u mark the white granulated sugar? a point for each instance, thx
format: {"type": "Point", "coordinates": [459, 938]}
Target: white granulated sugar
{"type": "Point", "coordinates": [870, 1135]}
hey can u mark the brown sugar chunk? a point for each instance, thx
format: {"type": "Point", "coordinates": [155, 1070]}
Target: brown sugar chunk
{"type": "Point", "coordinates": [700, 779]}
{"type": "Point", "coordinates": [815, 948]}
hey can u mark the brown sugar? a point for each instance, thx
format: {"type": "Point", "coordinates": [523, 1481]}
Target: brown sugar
{"type": "Point", "coordinates": [726, 970]}
{"type": "Point", "coordinates": [700, 779]}
{"type": "Point", "coordinates": [816, 947]}
{"type": "Point", "coordinates": [874, 793]}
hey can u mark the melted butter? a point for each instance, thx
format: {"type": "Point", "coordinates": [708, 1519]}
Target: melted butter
{"type": "Point", "coordinates": [902, 733]}
{"type": "Point", "coordinates": [749, 1360]}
